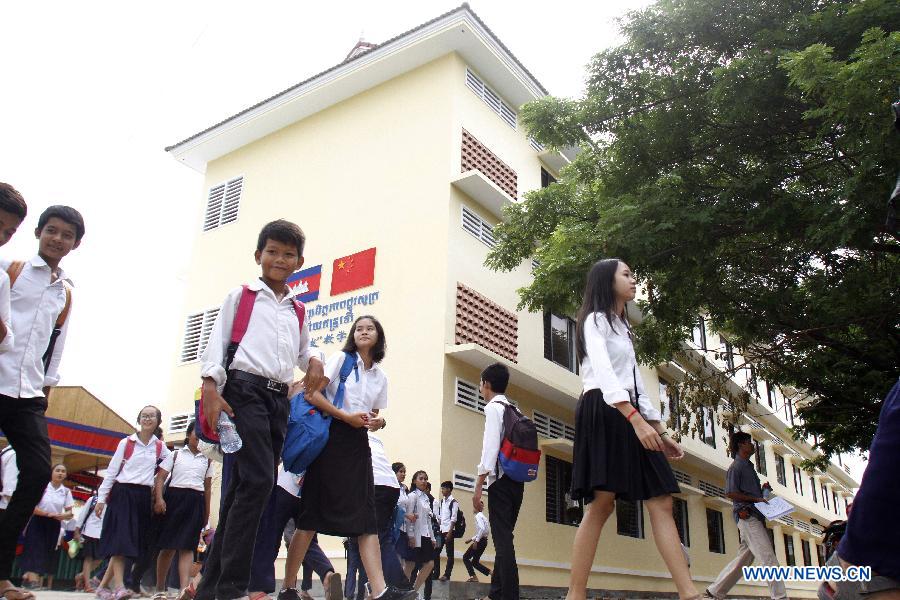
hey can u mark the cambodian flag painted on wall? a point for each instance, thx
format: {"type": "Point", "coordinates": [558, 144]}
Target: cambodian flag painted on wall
{"type": "Point", "coordinates": [305, 283]}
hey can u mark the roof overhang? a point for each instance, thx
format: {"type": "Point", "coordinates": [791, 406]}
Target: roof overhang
{"type": "Point", "coordinates": [459, 30]}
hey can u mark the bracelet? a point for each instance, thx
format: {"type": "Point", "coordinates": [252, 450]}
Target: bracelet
{"type": "Point", "coordinates": [631, 414]}
{"type": "Point", "coordinates": [383, 423]}
{"type": "Point", "coordinates": [663, 433]}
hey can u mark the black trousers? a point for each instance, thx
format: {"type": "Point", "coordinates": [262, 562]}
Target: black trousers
{"type": "Point", "coordinates": [22, 421]}
{"type": "Point", "coordinates": [472, 558]}
{"type": "Point", "coordinates": [448, 545]}
{"type": "Point", "coordinates": [260, 416]}
{"type": "Point", "coordinates": [505, 501]}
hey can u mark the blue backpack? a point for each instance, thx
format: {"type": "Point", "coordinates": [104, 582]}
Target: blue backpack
{"type": "Point", "coordinates": [307, 429]}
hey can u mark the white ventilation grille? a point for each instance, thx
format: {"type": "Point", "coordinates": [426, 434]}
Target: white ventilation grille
{"type": "Point", "coordinates": [491, 98]}
{"type": "Point", "coordinates": [538, 147]}
{"type": "Point", "coordinates": [463, 481]}
{"type": "Point", "coordinates": [468, 396]}
{"type": "Point", "coordinates": [786, 520]}
{"type": "Point", "coordinates": [179, 423]}
{"type": "Point", "coordinates": [754, 424]}
{"type": "Point", "coordinates": [478, 227]}
{"type": "Point", "coordinates": [535, 263]}
{"type": "Point", "coordinates": [682, 477]}
{"type": "Point", "coordinates": [817, 530]}
{"type": "Point", "coordinates": [551, 427]}
{"type": "Point", "coordinates": [803, 526]}
{"type": "Point", "coordinates": [709, 489]}
{"type": "Point", "coordinates": [223, 203]}
{"type": "Point", "coordinates": [196, 334]}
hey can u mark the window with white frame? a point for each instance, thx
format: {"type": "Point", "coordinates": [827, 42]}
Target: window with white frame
{"type": "Point", "coordinates": [478, 227]}
{"type": "Point", "coordinates": [491, 98]}
{"type": "Point", "coordinates": [551, 427]}
{"type": "Point", "coordinates": [223, 203]}
{"type": "Point", "coordinates": [196, 334]}
{"type": "Point", "coordinates": [559, 341]}
{"type": "Point", "coordinates": [468, 396]}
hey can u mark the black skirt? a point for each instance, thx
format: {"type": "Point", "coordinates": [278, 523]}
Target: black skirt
{"type": "Point", "coordinates": [91, 548]}
{"type": "Point", "coordinates": [181, 525]}
{"type": "Point", "coordinates": [126, 520]}
{"type": "Point", "coordinates": [338, 496]}
{"type": "Point", "coordinates": [609, 457]}
{"type": "Point", "coordinates": [41, 536]}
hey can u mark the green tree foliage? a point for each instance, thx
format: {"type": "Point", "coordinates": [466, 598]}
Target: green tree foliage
{"type": "Point", "coordinates": [738, 154]}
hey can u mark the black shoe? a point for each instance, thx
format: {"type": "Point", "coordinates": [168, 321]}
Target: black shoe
{"type": "Point", "coordinates": [288, 594]}
{"type": "Point", "coordinates": [393, 593]}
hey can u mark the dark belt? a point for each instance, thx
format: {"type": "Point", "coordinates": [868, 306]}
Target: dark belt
{"type": "Point", "coordinates": [259, 380]}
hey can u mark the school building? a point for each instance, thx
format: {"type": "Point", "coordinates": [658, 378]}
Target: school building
{"type": "Point", "coordinates": [397, 163]}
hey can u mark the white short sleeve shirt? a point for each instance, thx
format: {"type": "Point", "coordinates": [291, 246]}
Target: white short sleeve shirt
{"type": "Point", "coordinates": [190, 470]}
{"type": "Point", "coordinates": [365, 389]}
{"type": "Point", "coordinates": [56, 500]}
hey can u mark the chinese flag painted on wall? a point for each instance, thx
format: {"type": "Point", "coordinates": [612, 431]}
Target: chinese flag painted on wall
{"type": "Point", "coordinates": [353, 272]}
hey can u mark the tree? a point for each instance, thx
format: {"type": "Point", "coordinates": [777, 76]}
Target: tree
{"type": "Point", "coordinates": [738, 154]}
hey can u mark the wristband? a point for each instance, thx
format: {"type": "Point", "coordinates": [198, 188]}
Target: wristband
{"type": "Point", "coordinates": [631, 414]}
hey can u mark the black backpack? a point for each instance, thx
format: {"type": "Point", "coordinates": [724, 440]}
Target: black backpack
{"type": "Point", "coordinates": [459, 529]}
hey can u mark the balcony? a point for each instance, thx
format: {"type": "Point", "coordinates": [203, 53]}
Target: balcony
{"type": "Point", "coordinates": [482, 190]}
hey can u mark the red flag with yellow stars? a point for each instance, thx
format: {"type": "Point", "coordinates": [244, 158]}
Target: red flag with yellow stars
{"type": "Point", "coordinates": [353, 272]}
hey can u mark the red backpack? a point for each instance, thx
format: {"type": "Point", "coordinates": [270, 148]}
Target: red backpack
{"type": "Point", "coordinates": [238, 329]}
{"type": "Point", "coordinates": [129, 451]}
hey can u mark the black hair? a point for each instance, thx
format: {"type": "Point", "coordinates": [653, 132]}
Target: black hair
{"type": "Point", "coordinates": [380, 347]}
{"type": "Point", "coordinates": [498, 376]}
{"type": "Point", "coordinates": [64, 213]}
{"type": "Point", "coordinates": [415, 476]}
{"type": "Point", "coordinates": [188, 432]}
{"type": "Point", "coordinates": [738, 438]}
{"type": "Point", "coordinates": [447, 484]}
{"type": "Point", "coordinates": [11, 201]}
{"type": "Point", "coordinates": [397, 466]}
{"type": "Point", "coordinates": [599, 297]}
{"type": "Point", "coordinates": [59, 464]}
{"type": "Point", "coordinates": [284, 232]}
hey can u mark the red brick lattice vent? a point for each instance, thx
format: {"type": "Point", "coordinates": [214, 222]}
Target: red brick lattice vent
{"type": "Point", "coordinates": [483, 322]}
{"type": "Point", "coordinates": [476, 156]}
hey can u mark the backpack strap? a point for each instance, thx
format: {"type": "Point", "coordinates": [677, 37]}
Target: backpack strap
{"type": "Point", "coordinates": [346, 368]}
{"type": "Point", "coordinates": [61, 319]}
{"type": "Point", "coordinates": [14, 270]}
{"type": "Point", "coordinates": [240, 323]}
{"type": "Point", "coordinates": [159, 447]}
{"type": "Point", "coordinates": [129, 450]}
{"type": "Point", "coordinates": [300, 309]}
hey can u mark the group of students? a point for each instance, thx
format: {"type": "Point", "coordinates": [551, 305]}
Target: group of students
{"type": "Point", "coordinates": [35, 305]}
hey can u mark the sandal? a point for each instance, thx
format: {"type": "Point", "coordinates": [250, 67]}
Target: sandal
{"type": "Point", "coordinates": [187, 593]}
{"type": "Point", "coordinates": [21, 594]}
{"type": "Point", "coordinates": [160, 596]}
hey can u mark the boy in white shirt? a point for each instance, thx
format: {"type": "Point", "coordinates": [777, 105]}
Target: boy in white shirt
{"type": "Point", "coordinates": [506, 494]}
{"type": "Point", "coordinates": [253, 390]}
{"type": "Point", "coordinates": [477, 544]}
{"type": "Point", "coordinates": [447, 510]}
{"type": "Point", "coordinates": [40, 300]}
{"type": "Point", "coordinates": [12, 212]}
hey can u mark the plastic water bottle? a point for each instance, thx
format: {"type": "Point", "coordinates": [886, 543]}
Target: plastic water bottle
{"type": "Point", "coordinates": [229, 440]}
{"type": "Point", "coordinates": [766, 493]}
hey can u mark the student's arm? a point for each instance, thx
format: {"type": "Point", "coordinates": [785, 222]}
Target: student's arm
{"type": "Point", "coordinates": [51, 376]}
{"type": "Point", "coordinates": [650, 412]}
{"type": "Point", "coordinates": [212, 363]}
{"type": "Point", "coordinates": [311, 361]}
{"type": "Point", "coordinates": [165, 468]}
{"type": "Point", "coordinates": [6, 335]}
{"type": "Point", "coordinates": [355, 420]}
{"type": "Point", "coordinates": [207, 496]}
{"type": "Point", "coordinates": [490, 448]}
{"type": "Point", "coordinates": [10, 474]}
{"type": "Point", "coordinates": [115, 465]}
{"type": "Point", "coordinates": [68, 505]}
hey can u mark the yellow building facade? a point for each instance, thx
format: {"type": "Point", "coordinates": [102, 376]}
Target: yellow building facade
{"type": "Point", "coordinates": [413, 148]}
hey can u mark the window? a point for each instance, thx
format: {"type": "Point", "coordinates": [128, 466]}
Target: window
{"type": "Point", "coordinates": [789, 550]}
{"type": "Point", "coordinates": [491, 98]}
{"type": "Point", "coordinates": [680, 512]}
{"type": "Point", "coordinates": [798, 480]}
{"type": "Point", "coordinates": [546, 178]}
{"type": "Point", "coordinates": [835, 503]}
{"type": "Point", "coordinates": [760, 456]}
{"type": "Point", "coordinates": [715, 531]}
{"type": "Point", "coordinates": [708, 419]}
{"type": "Point", "coordinates": [468, 396]}
{"type": "Point", "coordinates": [770, 395]}
{"type": "Point", "coordinates": [630, 518]}
{"type": "Point", "coordinates": [196, 334]}
{"type": "Point", "coordinates": [779, 470]}
{"type": "Point", "coordinates": [179, 423]}
{"type": "Point", "coordinates": [559, 341]}
{"type": "Point", "coordinates": [825, 496]}
{"type": "Point", "coordinates": [478, 227]}
{"type": "Point", "coordinates": [463, 481]}
{"type": "Point", "coordinates": [812, 487]}
{"type": "Point", "coordinates": [788, 411]}
{"type": "Point", "coordinates": [807, 555]}
{"type": "Point", "coordinates": [698, 334]}
{"type": "Point", "coordinates": [560, 506]}
{"type": "Point", "coordinates": [668, 397]}
{"type": "Point", "coordinates": [223, 203]}
{"type": "Point", "coordinates": [552, 427]}
{"type": "Point", "coordinates": [729, 355]}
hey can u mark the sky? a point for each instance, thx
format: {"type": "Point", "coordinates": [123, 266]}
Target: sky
{"type": "Point", "coordinates": [93, 92]}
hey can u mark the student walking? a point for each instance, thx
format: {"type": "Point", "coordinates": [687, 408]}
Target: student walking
{"type": "Point", "coordinates": [42, 532]}
{"type": "Point", "coordinates": [88, 530]}
{"type": "Point", "coordinates": [448, 515]}
{"type": "Point", "coordinates": [621, 447]}
{"type": "Point", "coordinates": [339, 490]}
{"type": "Point", "coordinates": [506, 494]}
{"type": "Point", "coordinates": [249, 381]}
{"type": "Point", "coordinates": [40, 301]}
{"type": "Point", "coordinates": [184, 508]}
{"type": "Point", "coordinates": [477, 545]}
{"type": "Point", "coordinates": [742, 486]}
{"type": "Point", "coordinates": [125, 498]}
{"type": "Point", "coordinates": [12, 213]}
{"type": "Point", "coordinates": [419, 532]}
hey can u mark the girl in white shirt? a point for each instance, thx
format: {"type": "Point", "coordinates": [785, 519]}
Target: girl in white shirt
{"type": "Point", "coordinates": [338, 488]}
{"type": "Point", "coordinates": [419, 533]}
{"type": "Point", "coordinates": [88, 529]}
{"type": "Point", "coordinates": [184, 508]}
{"type": "Point", "coordinates": [125, 498]}
{"type": "Point", "coordinates": [620, 445]}
{"type": "Point", "coordinates": [42, 531]}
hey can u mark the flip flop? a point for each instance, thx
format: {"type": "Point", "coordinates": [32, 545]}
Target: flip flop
{"type": "Point", "coordinates": [22, 594]}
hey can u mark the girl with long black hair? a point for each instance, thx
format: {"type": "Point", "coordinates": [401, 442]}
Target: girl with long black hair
{"type": "Point", "coordinates": [621, 447]}
{"type": "Point", "coordinates": [42, 531]}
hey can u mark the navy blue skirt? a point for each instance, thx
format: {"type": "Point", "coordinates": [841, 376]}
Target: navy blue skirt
{"type": "Point", "coordinates": [181, 525]}
{"type": "Point", "coordinates": [41, 536]}
{"type": "Point", "coordinates": [126, 520]}
{"type": "Point", "coordinates": [91, 548]}
{"type": "Point", "coordinates": [609, 457]}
